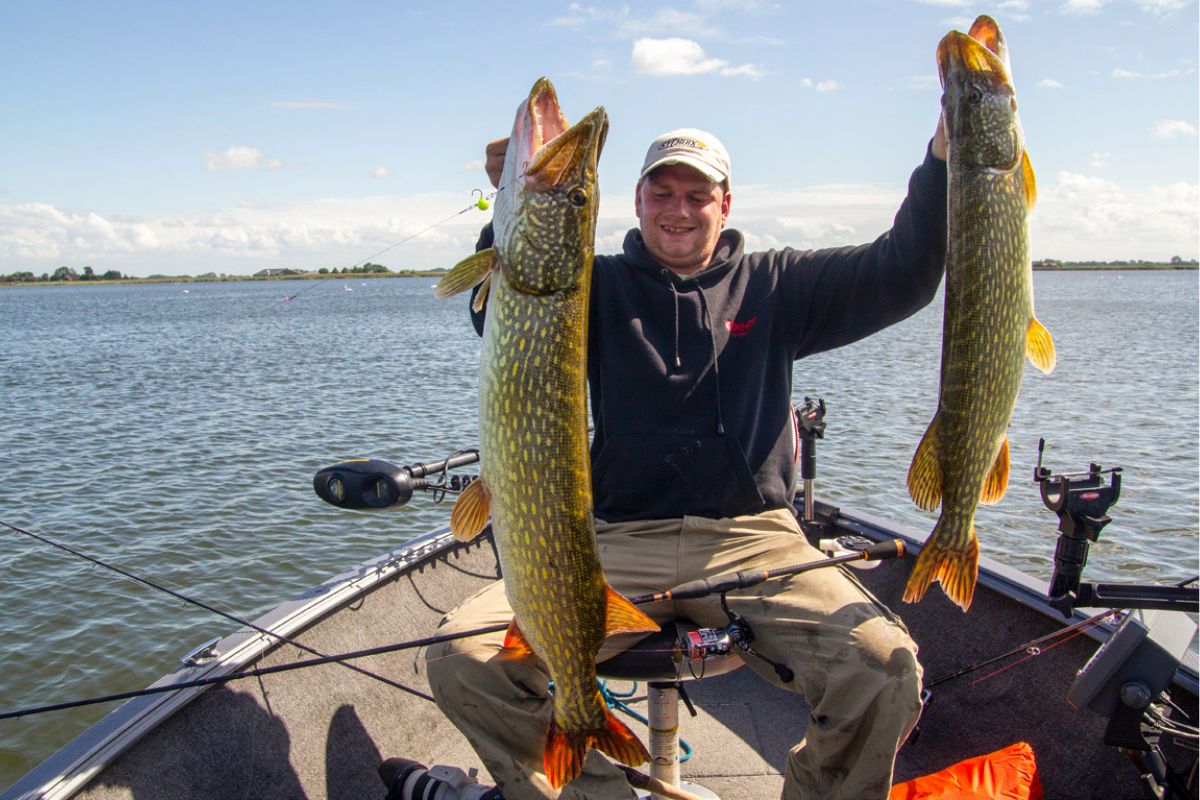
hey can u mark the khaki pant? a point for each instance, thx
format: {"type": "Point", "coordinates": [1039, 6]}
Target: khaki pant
{"type": "Point", "coordinates": [853, 659]}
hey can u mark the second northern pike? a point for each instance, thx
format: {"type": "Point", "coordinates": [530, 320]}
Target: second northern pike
{"type": "Point", "coordinates": [989, 327]}
{"type": "Point", "coordinates": [535, 479]}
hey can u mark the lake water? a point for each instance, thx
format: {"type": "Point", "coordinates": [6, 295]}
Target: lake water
{"type": "Point", "coordinates": [174, 429]}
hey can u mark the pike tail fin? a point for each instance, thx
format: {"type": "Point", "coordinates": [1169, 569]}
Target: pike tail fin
{"type": "Point", "coordinates": [952, 560]}
{"type": "Point", "coordinates": [566, 750]}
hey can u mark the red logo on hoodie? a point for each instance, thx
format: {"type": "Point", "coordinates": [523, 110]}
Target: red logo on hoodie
{"type": "Point", "coordinates": [736, 328]}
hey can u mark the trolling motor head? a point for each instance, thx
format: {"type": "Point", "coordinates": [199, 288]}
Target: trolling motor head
{"type": "Point", "coordinates": [370, 484]}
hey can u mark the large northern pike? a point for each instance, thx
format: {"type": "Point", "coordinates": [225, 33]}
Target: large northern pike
{"type": "Point", "coordinates": [535, 473]}
{"type": "Point", "coordinates": [989, 327]}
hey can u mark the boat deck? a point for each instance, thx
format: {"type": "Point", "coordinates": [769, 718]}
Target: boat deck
{"type": "Point", "coordinates": [322, 731]}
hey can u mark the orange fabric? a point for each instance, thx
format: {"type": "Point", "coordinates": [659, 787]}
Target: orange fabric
{"type": "Point", "coordinates": [1008, 774]}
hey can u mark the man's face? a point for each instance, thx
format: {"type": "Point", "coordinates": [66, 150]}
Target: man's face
{"type": "Point", "coordinates": [681, 214]}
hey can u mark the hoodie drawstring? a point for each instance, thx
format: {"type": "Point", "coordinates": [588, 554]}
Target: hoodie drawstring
{"type": "Point", "coordinates": [671, 283]}
{"type": "Point", "coordinates": [712, 335]}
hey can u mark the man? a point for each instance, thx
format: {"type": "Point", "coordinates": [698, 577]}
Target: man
{"type": "Point", "coordinates": [691, 346]}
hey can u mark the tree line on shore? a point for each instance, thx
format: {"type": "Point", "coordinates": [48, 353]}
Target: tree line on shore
{"type": "Point", "coordinates": [65, 274]}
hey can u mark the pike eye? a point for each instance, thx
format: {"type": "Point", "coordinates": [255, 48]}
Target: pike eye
{"type": "Point", "coordinates": [578, 198]}
{"type": "Point", "coordinates": [974, 95]}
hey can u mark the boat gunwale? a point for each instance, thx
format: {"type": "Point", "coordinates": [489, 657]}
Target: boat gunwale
{"type": "Point", "coordinates": [78, 761]}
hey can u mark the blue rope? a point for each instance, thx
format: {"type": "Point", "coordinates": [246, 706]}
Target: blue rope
{"type": "Point", "coordinates": [616, 700]}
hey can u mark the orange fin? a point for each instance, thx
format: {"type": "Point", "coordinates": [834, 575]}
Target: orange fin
{"type": "Point", "coordinates": [515, 643]}
{"type": "Point", "coordinates": [956, 568]}
{"type": "Point", "coordinates": [566, 750]}
{"type": "Point", "coordinates": [466, 273]}
{"type": "Point", "coordinates": [563, 760]}
{"type": "Point", "coordinates": [619, 742]}
{"type": "Point", "coordinates": [1039, 347]}
{"type": "Point", "coordinates": [622, 616]}
{"type": "Point", "coordinates": [925, 472]}
{"type": "Point", "coordinates": [997, 479]}
{"type": "Point", "coordinates": [1030, 181]}
{"type": "Point", "coordinates": [470, 514]}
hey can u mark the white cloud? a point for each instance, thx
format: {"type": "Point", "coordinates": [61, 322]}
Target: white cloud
{"type": "Point", "coordinates": [1173, 128]}
{"type": "Point", "coordinates": [1154, 76]}
{"type": "Point", "coordinates": [820, 86]}
{"type": "Point", "coordinates": [1163, 7]}
{"type": "Point", "coordinates": [1099, 160]}
{"type": "Point", "coordinates": [1050, 83]}
{"type": "Point", "coordinates": [675, 56]}
{"type": "Point", "coordinates": [1081, 217]}
{"type": "Point", "coordinates": [669, 20]}
{"type": "Point", "coordinates": [1083, 6]}
{"type": "Point", "coordinates": [332, 232]}
{"type": "Point", "coordinates": [239, 157]}
{"type": "Point", "coordinates": [381, 172]}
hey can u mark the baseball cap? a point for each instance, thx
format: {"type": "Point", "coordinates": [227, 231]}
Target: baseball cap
{"type": "Point", "coordinates": [697, 149]}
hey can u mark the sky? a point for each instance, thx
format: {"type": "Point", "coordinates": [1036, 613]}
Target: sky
{"type": "Point", "coordinates": [227, 137]}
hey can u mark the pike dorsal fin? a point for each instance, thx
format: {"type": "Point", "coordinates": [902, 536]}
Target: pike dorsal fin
{"type": "Point", "coordinates": [470, 514]}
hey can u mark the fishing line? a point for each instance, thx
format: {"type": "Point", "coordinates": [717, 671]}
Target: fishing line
{"type": "Point", "coordinates": [206, 607]}
{"type": "Point", "coordinates": [481, 204]}
{"type": "Point", "coordinates": [320, 660]}
{"type": "Point", "coordinates": [1033, 648]}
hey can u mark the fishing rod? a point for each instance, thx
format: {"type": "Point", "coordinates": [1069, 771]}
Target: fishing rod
{"type": "Point", "coordinates": [205, 606]}
{"type": "Point", "coordinates": [711, 644]}
{"type": "Point", "coordinates": [258, 672]}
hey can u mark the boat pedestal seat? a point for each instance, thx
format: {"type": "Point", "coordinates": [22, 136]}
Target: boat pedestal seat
{"type": "Point", "coordinates": [661, 660]}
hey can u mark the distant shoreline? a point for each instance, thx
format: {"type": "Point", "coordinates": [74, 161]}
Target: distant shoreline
{"type": "Point", "coordinates": [1081, 266]}
{"type": "Point", "coordinates": [314, 276]}
{"type": "Point", "coordinates": [304, 276]}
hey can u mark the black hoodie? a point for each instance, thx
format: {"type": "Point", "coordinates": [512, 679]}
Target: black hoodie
{"type": "Point", "coordinates": [691, 378]}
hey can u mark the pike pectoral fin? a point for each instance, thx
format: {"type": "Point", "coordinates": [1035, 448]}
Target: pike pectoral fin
{"type": "Point", "coordinates": [622, 616]}
{"type": "Point", "coordinates": [485, 288]}
{"type": "Point", "coordinates": [566, 750]}
{"type": "Point", "coordinates": [925, 472]}
{"type": "Point", "coordinates": [466, 274]}
{"type": "Point", "coordinates": [470, 514]}
{"type": "Point", "coordinates": [1030, 181]}
{"type": "Point", "coordinates": [952, 560]}
{"type": "Point", "coordinates": [515, 643]}
{"type": "Point", "coordinates": [997, 478]}
{"type": "Point", "coordinates": [1039, 347]}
